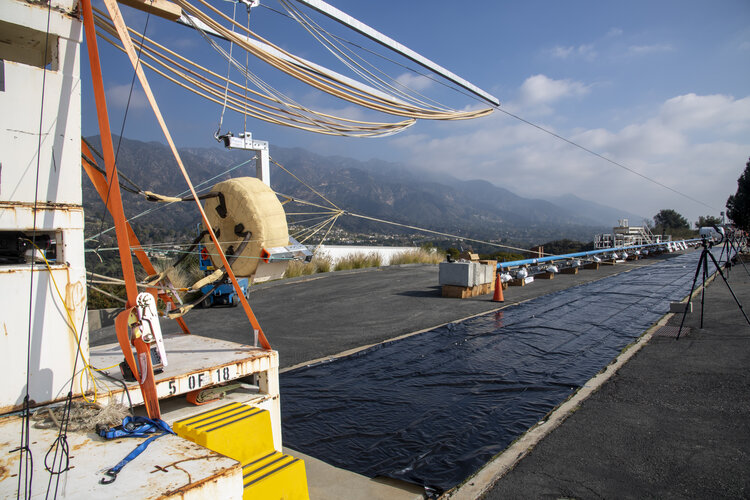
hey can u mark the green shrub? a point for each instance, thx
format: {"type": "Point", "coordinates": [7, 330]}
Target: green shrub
{"type": "Point", "coordinates": [358, 260]}
{"type": "Point", "coordinates": [319, 264]}
{"type": "Point", "coordinates": [418, 256]}
{"type": "Point", "coordinates": [322, 263]}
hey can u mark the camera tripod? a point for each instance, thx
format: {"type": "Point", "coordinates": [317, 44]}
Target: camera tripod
{"type": "Point", "coordinates": [703, 263]}
{"type": "Point", "coordinates": [729, 246]}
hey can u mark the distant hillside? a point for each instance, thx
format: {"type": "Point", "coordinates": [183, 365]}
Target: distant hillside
{"type": "Point", "coordinates": [375, 188]}
{"type": "Point", "coordinates": [598, 213]}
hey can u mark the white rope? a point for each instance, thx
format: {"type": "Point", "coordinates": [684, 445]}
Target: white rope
{"type": "Point", "coordinates": [226, 89]}
{"type": "Point", "coordinates": [290, 114]}
{"type": "Point", "coordinates": [340, 52]}
{"type": "Point", "coordinates": [328, 83]}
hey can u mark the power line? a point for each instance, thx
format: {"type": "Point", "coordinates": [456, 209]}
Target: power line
{"type": "Point", "coordinates": [598, 155]}
{"type": "Point", "coordinates": [386, 58]}
{"type": "Point", "coordinates": [539, 127]}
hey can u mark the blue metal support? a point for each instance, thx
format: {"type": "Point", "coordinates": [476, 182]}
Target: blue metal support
{"type": "Point", "coordinates": [553, 258]}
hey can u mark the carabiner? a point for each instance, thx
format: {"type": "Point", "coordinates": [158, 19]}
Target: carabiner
{"type": "Point", "coordinates": [112, 474]}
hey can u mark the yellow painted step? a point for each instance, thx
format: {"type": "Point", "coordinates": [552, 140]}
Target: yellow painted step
{"type": "Point", "coordinates": [275, 476]}
{"type": "Point", "coordinates": [239, 431]}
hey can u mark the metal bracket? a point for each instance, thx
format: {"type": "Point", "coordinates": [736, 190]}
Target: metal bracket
{"type": "Point", "coordinates": [150, 327]}
{"type": "Point", "coordinates": [245, 142]}
{"type": "Point", "coordinates": [294, 251]}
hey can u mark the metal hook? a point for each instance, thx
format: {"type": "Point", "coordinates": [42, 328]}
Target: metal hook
{"type": "Point", "coordinates": [112, 474]}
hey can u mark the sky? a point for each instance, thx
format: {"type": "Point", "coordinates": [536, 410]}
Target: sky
{"type": "Point", "coordinates": [659, 87]}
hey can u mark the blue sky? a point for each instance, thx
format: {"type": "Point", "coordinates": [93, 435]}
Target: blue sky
{"type": "Point", "coordinates": [662, 87]}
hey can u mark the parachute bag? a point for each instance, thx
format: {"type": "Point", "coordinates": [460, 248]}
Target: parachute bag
{"type": "Point", "coordinates": [245, 205]}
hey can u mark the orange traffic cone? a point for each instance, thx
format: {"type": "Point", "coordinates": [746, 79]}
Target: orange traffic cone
{"type": "Point", "coordinates": [498, 296]}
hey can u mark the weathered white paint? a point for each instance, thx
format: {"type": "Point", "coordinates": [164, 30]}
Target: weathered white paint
{"type": "Point", "coordinates": [32, 308]}
{"type": "Point", "coordinates": [197, 362]}
{"type": "Point", "coordinates": [197, 473]}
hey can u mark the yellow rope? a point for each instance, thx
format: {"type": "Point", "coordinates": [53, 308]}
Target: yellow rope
{"type": "Point", "coordinates": [303, 202]}
{"type": "Point", "coordinates": [71, 324]}
{"type": "Point", "coordinates": [316, 228]}
{"type": "Point", "coordinates": [327, 84]}
{"type": "Point", "coordinates": [292, 115]}
{"type": "Point", "coordinates": [110, 295]}
{"type": "Point", "coordinates": [303, 183]}
{"type": "Point", "coordinates": [337, 50]}
{"type": "Point", "coordinates": [326, 235]}
{"type": "Point", "coordinates": [331, 212]}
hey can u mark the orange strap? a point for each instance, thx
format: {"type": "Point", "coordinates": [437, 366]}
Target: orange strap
{"type": "Point", "coordinates": [122, 328]}
{"type": "Point", "coordinates": [142, 369]}
{"type": "Point", "coordinates": [146, 380]}
{"type": "Point", "coordinates": [100, 183]}
{"type": "Point", "coordinates": [127, 43]}
{"type": "Point", "coordinates": [115, 199]}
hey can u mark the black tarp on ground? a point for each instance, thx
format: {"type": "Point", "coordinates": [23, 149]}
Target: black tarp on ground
{"type": "Point", "coordinates": [433, 408]}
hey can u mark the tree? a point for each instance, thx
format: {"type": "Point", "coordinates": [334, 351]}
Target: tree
{"type": "Point", "coordinates": [669, 219]}
{"type": "Point", "coordinates": [738, 204]}
{"type": "Point", "coordinates": [707, 221]}
{"type": "Point", "coordinates": [560, 247]}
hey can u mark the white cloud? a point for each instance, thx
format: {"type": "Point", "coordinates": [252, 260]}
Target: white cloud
{"type": "Point", "coordinates": [414, 82]}
{"type": "Point", "coordinates": [695, 144]}
{"type": "Point", "coordinates": [614, 32]}
{"type": "Point", "coordinates": [540, 89]}
{"type": "Point", "coordinates": [691, 111]}
{"type": "Point", "coordinates": [649, 49]}
{"type": "Point", "coordinates": [117, 96]}
{"type": "Point", "coordinates": [741, 40]}
{"type": "Point", "coordinates": [585, 51]}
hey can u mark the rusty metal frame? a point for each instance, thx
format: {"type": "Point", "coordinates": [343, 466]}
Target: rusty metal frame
{"type": "Point", "coordinates": [102, 187]}
{"type": "Point", "coordinates": [144, 375]}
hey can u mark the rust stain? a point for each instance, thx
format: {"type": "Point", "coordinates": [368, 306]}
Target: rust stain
{"type": "Point", "coordinates": [41, 206]}
{"type": "Point", "coordinates": [3, 472]}
{"type": "Point", "coordinates": [79, 446]}
{"type": "Point", "coordinates": [190, 486]}
{"type": "Point", "coordinates": [193, 488]}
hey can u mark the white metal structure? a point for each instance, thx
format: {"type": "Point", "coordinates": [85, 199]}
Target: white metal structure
{"type": "Point", "coordinates": [41, 201]}
{"type": "Point", "coordinates": [44, 322]}
{"type": "Point", "coordinates": [40, 190]}
{"type": "Point", "coordinates": [245, 141]}
{"type": "Point", "coordinates": [625, 235]}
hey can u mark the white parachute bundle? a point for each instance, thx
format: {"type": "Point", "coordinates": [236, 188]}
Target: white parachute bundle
{"type": "Point", "coordinates": [247, 217]}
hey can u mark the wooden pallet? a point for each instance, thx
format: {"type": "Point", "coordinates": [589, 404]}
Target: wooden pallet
{"type": "Point", "coordinates": [521, 281]}
{"type": "Point", "coordinates": [569, 270]}
{"type": "Point", "coordinates": [464, 292]}
{"type": "Point", "coordinates": [545, 276]}
{"type": "Point", "coordinates": [591, 265]}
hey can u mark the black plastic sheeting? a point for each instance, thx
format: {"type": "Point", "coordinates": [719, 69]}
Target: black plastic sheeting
{"type": "Point", "coordinates": [433, 408]}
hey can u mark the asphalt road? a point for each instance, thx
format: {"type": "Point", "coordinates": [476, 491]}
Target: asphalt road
{"type": "Point", "coordinates": [674, 422]}
{"type": "Point", "coordinates": [312, 317]}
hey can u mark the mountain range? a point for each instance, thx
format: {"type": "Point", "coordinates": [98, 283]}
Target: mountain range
{"type": "Point", "coordinates": [376, 188]}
